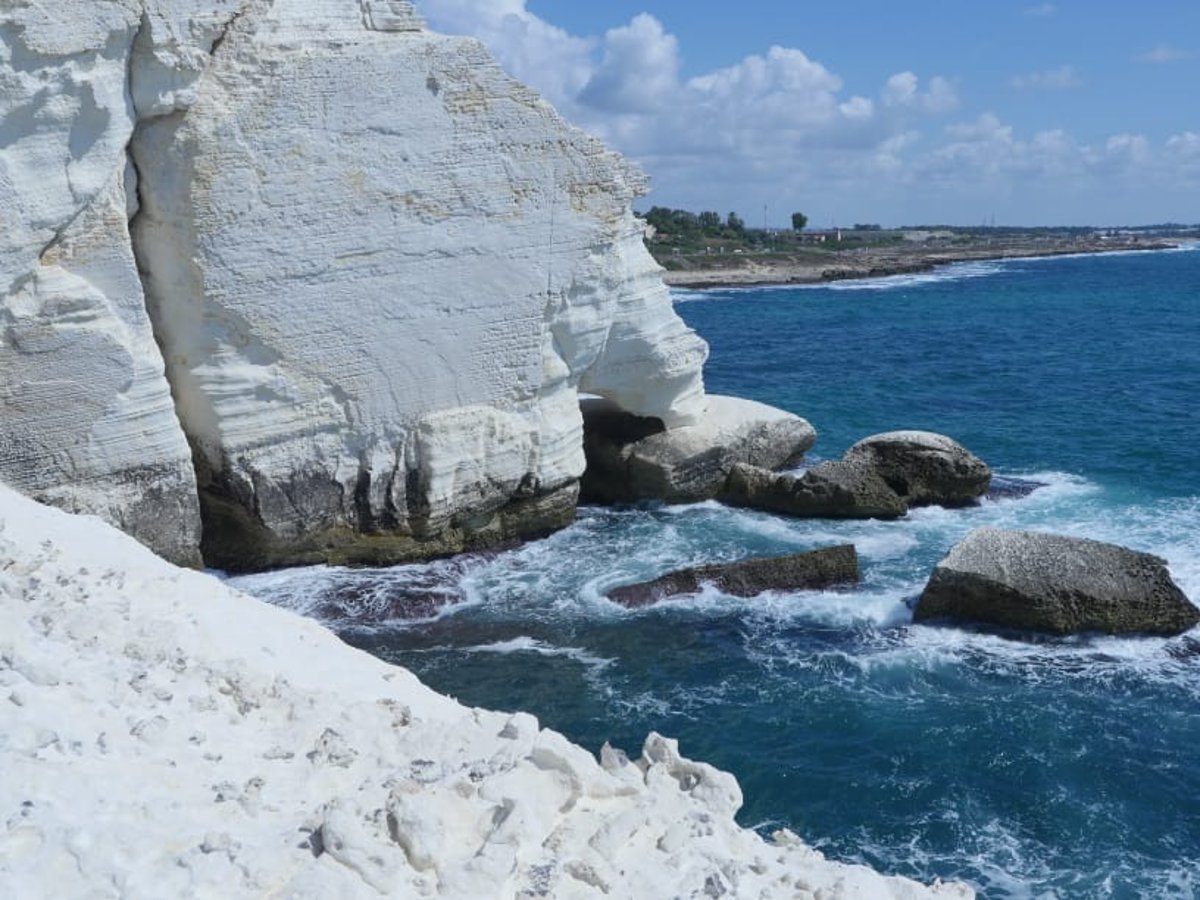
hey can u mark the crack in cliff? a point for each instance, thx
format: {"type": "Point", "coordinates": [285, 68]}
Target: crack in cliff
{"type": "Point", "coordinates": [225, 29]}
{"type": "Point", "coordinates": [200, 468]}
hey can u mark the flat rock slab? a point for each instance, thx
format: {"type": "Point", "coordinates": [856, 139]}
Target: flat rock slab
{"type": "Point", "coordinates": [1051, 583]}
{"type": "Point", "coordinates": [812, 570]}
{"type": "Point", "coordinates": [632, 458]}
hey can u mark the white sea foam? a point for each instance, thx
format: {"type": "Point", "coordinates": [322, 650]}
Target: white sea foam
{"type": "Point", "coordinates": [526, 644]}
{"type": "Point", "coordinates": [961, 271]}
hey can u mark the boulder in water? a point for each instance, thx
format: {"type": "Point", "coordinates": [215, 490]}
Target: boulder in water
{"type": "Point", "coordinates": [1062, 585]}
{"type": "Point", "coordinates": [832, 490]}
{"type": "Point", "coordinates": [880, 477]}
{"type": "Point", "coordinates": [813, 570]}
{"type": "Point", "coordinates": [924, 468]}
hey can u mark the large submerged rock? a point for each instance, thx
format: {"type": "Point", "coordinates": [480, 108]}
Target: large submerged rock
{"type": "Point", "coordinates": [378, 268]}
{"type": "Point", "coordinates": [636, 458]}
{"type": "Point", "coordinates": [811, 570]}
{"type": "Point", "coordinates": [1045, 582]}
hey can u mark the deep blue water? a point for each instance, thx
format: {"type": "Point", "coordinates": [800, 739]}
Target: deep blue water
{"type": "Point", "coordinates": [1061, 769]}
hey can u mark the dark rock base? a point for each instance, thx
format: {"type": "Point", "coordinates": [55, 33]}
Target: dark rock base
{"type": "Point", "coordinates": [814, 570]}
{"type": "Point", "coordinates": [235, 541]}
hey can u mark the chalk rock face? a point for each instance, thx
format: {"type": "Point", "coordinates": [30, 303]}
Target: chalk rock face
{"type": "Point", "coordinates": [86, 418]}
{"type": "Point", "coordinates": [635, 458]}
{"type": "Point", "coordinates": [378, 269]}
{"type": "Point", "coordinates": [151, 750]}
{"type": "Point", "coordinates": [1062, 585]}
{"type": "Point", "coordinates": [924, 468]}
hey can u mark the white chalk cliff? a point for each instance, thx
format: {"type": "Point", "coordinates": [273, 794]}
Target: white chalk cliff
{"type": "Point", "coordinates": [149, 748]}
{"type": "Point", "coordinates": [378, 269]}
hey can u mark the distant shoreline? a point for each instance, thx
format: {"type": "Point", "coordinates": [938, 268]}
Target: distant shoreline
{"type": "Point", "coordinates": [752, 271]}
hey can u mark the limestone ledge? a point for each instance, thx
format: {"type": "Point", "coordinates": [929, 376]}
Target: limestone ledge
{"type": "Point", "coordinates": [164, 735]}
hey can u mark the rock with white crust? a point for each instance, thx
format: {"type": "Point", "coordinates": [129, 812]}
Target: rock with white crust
{"type": "Point", "coordinates": [637, 458]}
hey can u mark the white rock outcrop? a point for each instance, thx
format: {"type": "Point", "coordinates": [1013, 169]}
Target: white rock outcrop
{"type": "Point", "coordinates": [86, 418]}
{"type": "Point", "coordinates": [634, 458]}
{"type": "Point", "coordinates": [379, 270]}
{"type": "Point", "coordinates": [148, 749]}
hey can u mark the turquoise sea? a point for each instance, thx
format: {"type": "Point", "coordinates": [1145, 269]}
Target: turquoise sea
{"type": "Point", "coordinates": [1065, 768]}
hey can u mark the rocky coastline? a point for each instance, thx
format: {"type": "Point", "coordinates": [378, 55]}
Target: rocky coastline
{"type": "Point", "coordinates": [307, 283]}
{"type": "Point", "coordinates": [766, 271]}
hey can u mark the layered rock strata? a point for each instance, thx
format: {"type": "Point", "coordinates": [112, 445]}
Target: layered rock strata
{"type": "Point", "coordinates": [378, 268]}
{"type": "Point", "coordinates": [150, 750]}
{"type": "Point", "coordinates": [633, 458]}
{"type": "Point", "coordinates": [810, 570]}
{"type": "Point", "coordinates": [86, 418]}
{"type": "Point", "coordinates": [1045, 582]}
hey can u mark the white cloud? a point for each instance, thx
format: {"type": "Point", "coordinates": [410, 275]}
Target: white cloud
{"type": "Point", "coordinates": [557, 63]}
{"type": "Point", "coordinates": [639, 71]}
{"type": "Point", "coordinates": [1060, 79]}
{"type": "Point", "coordinates": [1186, 145]}
{"type": "Point", "coordinates": [903, 90]}
{"type": "Point", "coordinates": [1041, 11]}
{"type": "Point", "coordinates": [1163, 53]}
{"type": "Point", "coordinates": [1183, 156]}
{"type": "Point", "coordinates": [782, 126]}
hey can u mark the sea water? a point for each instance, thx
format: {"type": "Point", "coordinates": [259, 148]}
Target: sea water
{"type": "Point", "coordinates": [1062, 768]}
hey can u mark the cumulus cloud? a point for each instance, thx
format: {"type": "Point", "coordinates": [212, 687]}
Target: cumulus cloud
{"type": "Point", "coordinates": [533, 50]}
{"type": "Point", "coordinates": [1060, 79]}
{"type": "Point", "coordinates": [903, 89]}
{"type": "Point", "coordinates": [1163, 53]}
{"type": "Point", "coordinates": [639, 71]}
{"type": "Point", "coordinates": [783, 126]}
{"type": "Point", "coordinates": [988, 150]}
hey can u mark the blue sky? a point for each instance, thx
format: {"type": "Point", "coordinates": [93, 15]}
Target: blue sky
{"type": "Point", "coordinates": [931, 111]}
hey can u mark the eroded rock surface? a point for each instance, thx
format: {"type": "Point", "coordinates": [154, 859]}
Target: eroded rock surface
{"type": "Point", "coordinates": [830, 490]}
{"type": "Point", "coordinates": [924, 468]}
{"type": "Point", "coordinates": [379, 270]}
{"type": "Point", "coordinates": [635, 458]}
{"type": "Point", "coordinates": [880, 477]}
{"type": "Point", "coordinates": [1044, 582]}
{"type": "Point", "coordinates": [149, 749]}
{"type": "Point", "coordinates": [811, 570]}
{"type": "Point", "coordinates": [86, 418]}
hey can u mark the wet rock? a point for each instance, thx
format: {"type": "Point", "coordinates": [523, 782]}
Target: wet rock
{"type": "Point", "coordinates": [636, 458]}
{"type": "Point", "coordinates": [924, 468]}
{"type": "Point", "coordinates": [812, 570]}
{"type": "Point", "coordinates": [1010, 488]}
{"type": "Point", "coordinates": [831, 490]}
{"type": "Point", "coordinates": [1062, 585]}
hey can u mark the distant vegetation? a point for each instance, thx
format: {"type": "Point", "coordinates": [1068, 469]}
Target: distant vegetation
{"type": "Point", "coordinates": [680, 239]}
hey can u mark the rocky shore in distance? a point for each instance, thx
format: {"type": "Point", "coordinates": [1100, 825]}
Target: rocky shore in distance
{"type": "Point", "coordinates": [751, 270]}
